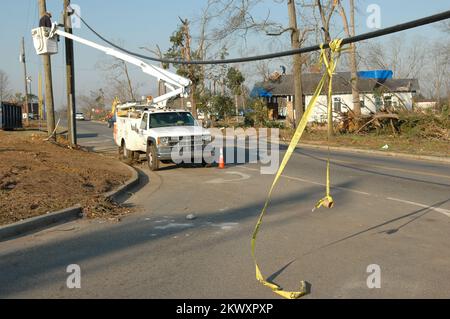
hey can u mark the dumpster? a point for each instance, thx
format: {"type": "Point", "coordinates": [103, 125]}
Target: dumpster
{"type": "Point", "coordinates": [10, 116]}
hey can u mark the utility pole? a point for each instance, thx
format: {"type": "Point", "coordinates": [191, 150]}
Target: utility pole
{"type": "Point", "coordinates": [297, 68]}
{"type": "Point", "coordinates": [70, 77]}
{"type": "Point", "coordinates": [41, 111]}
{"type": "Point", "coordinates": [24, 62]}
{"type": "Point", "coordinates": [30, 101]}
{"type": "Point", "coordinates": [49, 104]}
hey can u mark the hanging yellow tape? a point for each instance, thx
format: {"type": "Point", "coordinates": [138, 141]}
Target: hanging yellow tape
{"type": "Point", "coordinates": [335, 47]}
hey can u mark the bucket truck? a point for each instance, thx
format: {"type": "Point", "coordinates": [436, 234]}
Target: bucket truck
{"type": "Point", "coordinates": [145, 127]}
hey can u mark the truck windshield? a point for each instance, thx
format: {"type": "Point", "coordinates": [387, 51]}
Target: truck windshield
{"type": "Point", "coordinates": [171, 119]}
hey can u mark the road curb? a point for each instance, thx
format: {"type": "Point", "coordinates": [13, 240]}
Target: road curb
{"type": "Point", "coordinates": [129, 184]}
{"type": "Point", "coordinates": [438, 159]}
{"type": "Point", "coordinates": [38, 223]}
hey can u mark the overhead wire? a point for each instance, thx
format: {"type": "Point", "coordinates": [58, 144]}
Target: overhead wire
{"type": "Point", "coordinates": [365, 36]}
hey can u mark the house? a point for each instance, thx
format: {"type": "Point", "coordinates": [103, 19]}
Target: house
{"type": "Point", "coordinates": [424, 103]}
{"type": "Point", "coordinates": [375, 94]}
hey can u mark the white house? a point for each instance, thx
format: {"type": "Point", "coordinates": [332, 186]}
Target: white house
{"type": "Point", "coordinates": [374, 95]}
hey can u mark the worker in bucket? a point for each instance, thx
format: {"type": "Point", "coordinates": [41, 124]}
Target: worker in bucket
{"type": "Point", "coordinates": [46, 20]}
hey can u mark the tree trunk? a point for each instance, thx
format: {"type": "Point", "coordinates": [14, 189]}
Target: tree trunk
{"type": "Point", "coordinates": [350, 30]}
{"type": "Point", "coordinates": [190, 68]}
{"type": "Point", "coordinates": [297, 62]}
{"type": "Point", "coordinates": [355, 89]}
{"type": "Point", "coordinates": [130, 86]}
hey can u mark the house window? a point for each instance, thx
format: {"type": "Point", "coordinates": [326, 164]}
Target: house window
{"type": "Point", "coordinates": [388, 101]}
{"type": "Point", "coordinates": [378, 102]}
{"type": "Point", "coordinates": [144, 122]}
{"type": "Point", "coordinates": [395, 102]}
{"type": "Point", "coordinates": [337, 104]}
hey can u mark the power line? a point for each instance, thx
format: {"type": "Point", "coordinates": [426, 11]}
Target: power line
{"type": "Point", "coordinates": [366, 36]}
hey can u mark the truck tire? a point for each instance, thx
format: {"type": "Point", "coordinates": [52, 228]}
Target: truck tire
{"type": "Point", "coordinates": [152, 158]}
{"type": "Point", "coordinates": [125, 155]}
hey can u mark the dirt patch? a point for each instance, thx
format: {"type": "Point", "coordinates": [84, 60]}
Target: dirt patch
{"type": "Point", "coordinates": [37, 177]}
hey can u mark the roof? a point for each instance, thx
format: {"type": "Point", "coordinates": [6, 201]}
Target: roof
{"type": "Point", "coordinates": [341, 84]}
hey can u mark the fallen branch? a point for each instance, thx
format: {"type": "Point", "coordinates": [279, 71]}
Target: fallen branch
{"type": "Point", "coordinates": [378, 117]}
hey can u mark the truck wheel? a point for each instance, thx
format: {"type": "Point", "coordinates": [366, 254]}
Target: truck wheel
{"type": "Point", "coordinates": [152, 158]}
{"type": "Point", "coordinates": [125, 155]}
{"type": "Point", "coordinates": [206, 164]}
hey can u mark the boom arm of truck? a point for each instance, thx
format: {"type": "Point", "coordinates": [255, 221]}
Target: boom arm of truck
{"type": "Point", "coordinates": [177, 84]}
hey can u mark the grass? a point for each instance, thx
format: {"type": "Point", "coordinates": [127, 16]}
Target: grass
{"type": "Point", "coordinates": [372, 141]}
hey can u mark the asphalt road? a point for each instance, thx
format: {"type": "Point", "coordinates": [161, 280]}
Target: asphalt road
{"type": "Point", "coordinates": [390, 212]}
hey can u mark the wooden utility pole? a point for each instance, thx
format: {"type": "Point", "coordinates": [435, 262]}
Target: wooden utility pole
{"type": "Point", "coordinates": [24, 62]}
{"type": "Point", "coordinates": [49, 104]}
{"type": "Point", "coordinates": [40, 102]}
{"type": "Point", "coordinates": [70, 77]}
{"type": "Point", "coordinates": [297, 68]}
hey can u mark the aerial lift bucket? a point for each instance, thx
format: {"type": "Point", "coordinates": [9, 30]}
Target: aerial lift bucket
{"type": "Point", "coordinates": [43, 42]}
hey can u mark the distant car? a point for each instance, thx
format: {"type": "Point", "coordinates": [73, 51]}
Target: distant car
{"type": "Point", "coordinates": [79, 117]}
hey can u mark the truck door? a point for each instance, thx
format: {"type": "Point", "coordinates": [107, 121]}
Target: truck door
{"type": "Point", "coordinates": [142, 132]}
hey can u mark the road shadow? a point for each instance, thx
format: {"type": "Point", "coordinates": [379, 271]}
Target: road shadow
{"type": "Point", "coordinates": [420, 213]}
{"type": "Point", "coordinates": [272, 277]}
{"type": "Point", "coordinates": [366, 170]}
{"type": "Point", "coordinates": [82, 247]}
{"type": "Point", "coordinates": [87, 135]}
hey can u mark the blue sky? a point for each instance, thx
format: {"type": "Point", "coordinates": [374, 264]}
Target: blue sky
{"type": "Point", "coordinates": [149, 22]}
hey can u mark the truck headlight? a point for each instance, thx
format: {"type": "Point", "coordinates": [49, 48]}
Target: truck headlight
{"type": "Point", "coordinates": [164, 141]}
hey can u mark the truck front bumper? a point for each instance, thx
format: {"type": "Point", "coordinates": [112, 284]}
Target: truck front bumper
{"type": "Point", "coordinates": [165, 153]}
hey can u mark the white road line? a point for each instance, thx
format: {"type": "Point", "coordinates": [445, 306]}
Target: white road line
{"type": "Point", "coordinates": [311, 182]}
{"type": "Point", "coordinates": [223, 180]}
{"type": "Point", "coordinates": [446, 212]}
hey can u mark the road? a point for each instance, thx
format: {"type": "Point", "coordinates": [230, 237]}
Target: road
{"type": "Point", "coordinates": [390, 212]}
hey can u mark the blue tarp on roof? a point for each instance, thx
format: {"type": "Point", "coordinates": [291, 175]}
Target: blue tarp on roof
{"type": "Point", "coordinates": [376, 74]}
{"type": "Point", "coordinates": [260, 92]}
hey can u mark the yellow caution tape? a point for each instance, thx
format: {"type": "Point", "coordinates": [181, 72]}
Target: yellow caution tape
{"type": "Point", "coordinates": [327, 201]}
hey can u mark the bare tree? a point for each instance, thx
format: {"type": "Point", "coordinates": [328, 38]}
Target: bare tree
{"type": "Point", "coordinates": [438, 71]}
{"type": "Point", "coordinates": [158, 53]}
{"type": "Point", "coordinates": [326, 11]}
{"type": "Point", "coordinates": [298, 37]}
{"type": "Point", "coordinates": [405, 58]}
{"type": "Point", "coordinates": [117, 74]}
{"type": "Point", "coordinates": [4, 86]}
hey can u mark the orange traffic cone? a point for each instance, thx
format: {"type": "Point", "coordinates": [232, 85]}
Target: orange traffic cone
{"type": "Point", "coordinates": [221, 161]}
